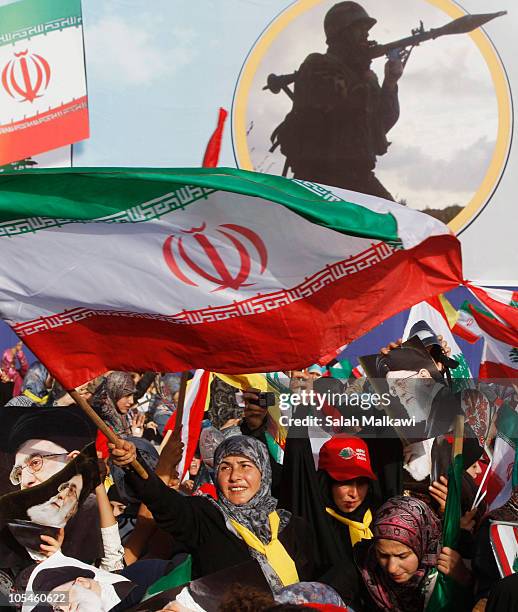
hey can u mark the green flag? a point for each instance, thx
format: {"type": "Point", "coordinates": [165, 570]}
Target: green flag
{"type": "Point", "coordinates": [447, 593]}
{"type": "Point", "coordinates": [343, 369]}
{"type": "Point", "coordinates": [179, 576]}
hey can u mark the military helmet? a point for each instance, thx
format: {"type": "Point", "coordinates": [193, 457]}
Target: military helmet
{"type": "Point", "coordinates": [342, 15]}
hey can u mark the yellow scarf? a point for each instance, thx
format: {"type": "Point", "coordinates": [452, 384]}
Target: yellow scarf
{"type": "Point", "coordinates": [357, 531]}
{"type": "Point", "coordinates": [35, 398]}
{"type": "Point", "coordinates": [275, 553]}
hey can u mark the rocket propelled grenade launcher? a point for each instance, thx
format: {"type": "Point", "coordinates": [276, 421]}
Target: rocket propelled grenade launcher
{"type": "Point", "coordinates": [461, 25]}
{"type": "Point", "coordinates": [399, 48]}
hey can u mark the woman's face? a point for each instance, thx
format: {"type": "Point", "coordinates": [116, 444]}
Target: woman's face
{"type": "Point", "coordinates": [349, 494]}
{"type": "Point", "coordinates": [118, 508]}
{"type": "Point", "coordinates": [239, 479]}
{"type": "Point", "coordinates": [398, 560]}
{"type": "Point", "coordinates": [474, 470]}
{"type": "Point", "coordinates": [194, 468]}
{"type": "Point", "coordinates": [125, 403]}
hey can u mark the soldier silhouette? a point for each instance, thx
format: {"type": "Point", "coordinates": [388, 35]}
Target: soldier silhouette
{"type": "Point", "coordinates": [340, 117]}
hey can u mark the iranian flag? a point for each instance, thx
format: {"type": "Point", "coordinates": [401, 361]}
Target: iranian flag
{"type": "Point", "coordinates": [504, 542]}
{"type": "Point", "coordinates": [500, 480]}
{"type": "Point", "coordinates": [43, 102]}
{"type": "Point", "coordinates": [500, 352]}
{"type": "Point", "coordinates": [232, 271]}
{"type": "Point", "coordinates": [465, 325]}
{"type": "Point", "coordinates": [500, 302]}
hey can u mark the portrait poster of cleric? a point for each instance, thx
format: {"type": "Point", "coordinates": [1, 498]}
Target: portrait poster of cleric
{"type": "Point", "coordinates": [355, 95]}
{"type": "Point", "coordinates": [425, 400]}
{"type": "Point", "coordinates": [82, 586]}
{"type": "Point", "coordinates": [421, 399]}
{"type": "Point", "coordinates": [48, 473]}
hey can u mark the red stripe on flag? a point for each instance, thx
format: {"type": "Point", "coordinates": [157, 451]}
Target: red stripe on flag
{"type": "Point", "coordinates": [435, 302]}
{"type": "Point", "coordinates": [323, 361]}
{"type": "Point", "coordinates": [170, 425]}
{"type": "Point", "coordinates": [506, 312]}
{"type": "Point", "coordinates": [193, 418]}
{"type": "Point", "coordinates": [491, 370]}
{"type": "Point", "coordinates": [495, 328]}
{"type": "Point", "coordinates": [211, 157]}
{"type": "Point", "coordinates": [341, 311]}
{"type": "Point", "coordinates": [464, 333]}
{"type": "Point", "coordinates": [55, 128]}
{"type": "Point", "coordinates": [499, 548]}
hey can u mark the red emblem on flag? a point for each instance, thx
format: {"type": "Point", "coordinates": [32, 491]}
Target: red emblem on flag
{"type": "Point", "coordinates": [24, 77]}
{"type": "Point", "coordinates": [237, 241]}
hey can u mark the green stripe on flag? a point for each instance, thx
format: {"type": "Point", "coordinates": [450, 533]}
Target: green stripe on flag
{"type": "Point", "coordinates": [507, 424]}
{"type": "Point", "coordinates": [448, 594]}
{"type": "Point", "coordinates": [23, 18]}
{"type": "Point", "coordinates": [179, 576]}
{"type": "Point", "coordinates": [466, 307]}
{"type": "Point", "coordinates": [343, 369]}
{"type": "Point", "coordinates": [101, 194]}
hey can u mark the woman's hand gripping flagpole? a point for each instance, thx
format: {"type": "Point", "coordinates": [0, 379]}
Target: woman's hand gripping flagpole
{"type": "Point", "coordinates": [114, 439]}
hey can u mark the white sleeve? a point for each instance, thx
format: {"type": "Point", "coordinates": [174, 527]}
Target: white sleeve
{"type": "Point", "coordinates": [113, 549]}
{"type": "Point", "coordinates": [185, 599]}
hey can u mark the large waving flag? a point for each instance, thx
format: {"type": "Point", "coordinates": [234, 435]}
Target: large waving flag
{"type": "Point", "coordinates": [42, 77]}
{"type": "Point", "coordinates": [228, 270]}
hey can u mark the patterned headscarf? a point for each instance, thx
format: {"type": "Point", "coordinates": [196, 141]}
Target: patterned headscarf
{"type": "Point", "coordinates": [254, 514]}
{"type": "Point", "coordinates": [309, 592]}
{"type": "Point", "coordinates": [168, 385]}
{"type": "Point", "coordinates": [115, 386]}
{"type": "Point", "coordinates": [34, 380]}
{"type": "Point", "coordinates": [411, 522]}
{"type": "Point", "coordinates": [223, 404]}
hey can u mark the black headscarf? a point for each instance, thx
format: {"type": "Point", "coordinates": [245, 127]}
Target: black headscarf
{"type": "Point", "coordinates": [63, 426]}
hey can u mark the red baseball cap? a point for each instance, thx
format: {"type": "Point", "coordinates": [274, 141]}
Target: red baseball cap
{"type": "Point", "coordinates": [345, 459]}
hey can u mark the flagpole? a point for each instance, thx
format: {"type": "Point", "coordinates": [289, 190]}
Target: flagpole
{"type": "Point", "coordinates": [458, 441]}
{"type": "Point", "coordinates": [112, 437]}
{"type": "Point", "coordinates": [181, 400]}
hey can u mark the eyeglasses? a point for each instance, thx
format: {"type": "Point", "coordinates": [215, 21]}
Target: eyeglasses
{"type": "Point", "coordinates": [396, 384]}
{"type": "Point", "coordinates": [33, 464]}
{"type": "Point", "coordinates": [69, 488]}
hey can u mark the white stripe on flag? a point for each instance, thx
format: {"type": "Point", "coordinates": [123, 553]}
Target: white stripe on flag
{"type": "Point", "coordinates": [505, 546]}
{"type": "Point", "coordinates": [190, 396]}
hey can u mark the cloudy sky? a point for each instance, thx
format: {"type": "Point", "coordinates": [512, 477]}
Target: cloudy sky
{"type": "Point", "coordinates": [158, 72]}
{"type": "Point", "coordinates": [444, 139]}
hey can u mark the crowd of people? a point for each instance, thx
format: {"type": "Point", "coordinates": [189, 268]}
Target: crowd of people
{"type": "Point", "coordinates": [331, 524]}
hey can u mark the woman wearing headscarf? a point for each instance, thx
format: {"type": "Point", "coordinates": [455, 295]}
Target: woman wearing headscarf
{"type": "Point", "coordinates": [113, 399]}
{"type": "Point", "coordinates": [243, 523]}
{"type": "Point", "coordinates": [345, 476]}
{"type": "Point", "coordinates": [164, 402]}
{"type": "Point", "coordinates": [399, 564]}
{"type": "Point", "coordinates": [35, 388]}
{"type": "Point", "coordinates": [11, 373]}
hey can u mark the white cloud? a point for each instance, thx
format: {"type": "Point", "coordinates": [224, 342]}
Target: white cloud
{"type": "Point", "coordinates": [461, 173]}
{"type": "Point", "coordinates": [130, 52]}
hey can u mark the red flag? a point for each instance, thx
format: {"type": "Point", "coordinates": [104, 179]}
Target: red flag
{"type": "Point", "coordinates": [211, 157]}
{"type": "Point", "coordinates": [500, 302]}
